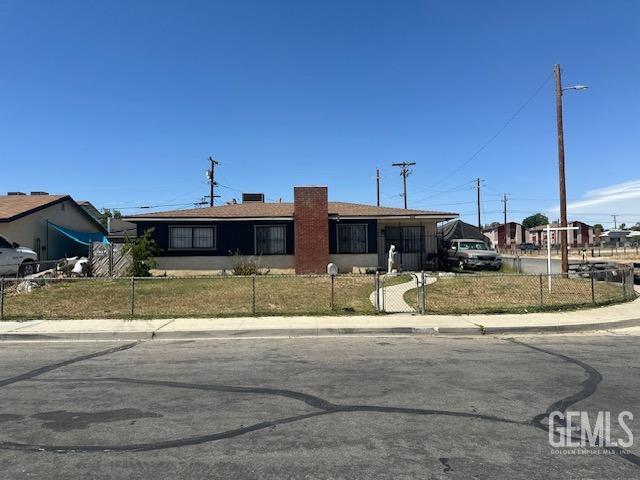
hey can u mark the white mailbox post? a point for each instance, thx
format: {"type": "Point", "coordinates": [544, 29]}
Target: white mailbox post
{"type": "Point", "coordinates": [549, 228]}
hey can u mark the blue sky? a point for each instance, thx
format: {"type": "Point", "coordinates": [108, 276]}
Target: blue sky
{"type": "Point", "coordinates": [121, 103]}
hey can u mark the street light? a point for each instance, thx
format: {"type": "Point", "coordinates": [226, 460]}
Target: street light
{"type": "Point", "coordinates": [561, 174]}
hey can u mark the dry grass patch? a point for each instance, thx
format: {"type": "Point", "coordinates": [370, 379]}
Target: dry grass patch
{"type": "Point", "coordinates": [192, 297]}
{"type": "Point", "coordinates": [511, 293]}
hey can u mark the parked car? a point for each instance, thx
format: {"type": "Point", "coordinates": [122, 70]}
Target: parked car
{"type": "Point", "coordinates": [472, 254]}
{"type": "Point", "coordinates": [529, 247]}
{"type": "Point", "coordinates": [16, 260]}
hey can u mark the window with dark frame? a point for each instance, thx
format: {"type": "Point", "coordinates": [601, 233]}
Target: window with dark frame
{"type": "Point", "coordinates": [192, 238]}
{"type": "Point", "coordinates": [352, 238]}
{"type": "Point", "coordinates": [271, 239]}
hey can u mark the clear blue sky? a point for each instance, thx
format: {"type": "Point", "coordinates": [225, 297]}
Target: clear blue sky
{"type": "Point", "coordinates": [121, 103]}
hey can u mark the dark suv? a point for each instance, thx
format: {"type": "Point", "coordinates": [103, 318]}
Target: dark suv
{"type": "Point", "coordinates": [529, 247]}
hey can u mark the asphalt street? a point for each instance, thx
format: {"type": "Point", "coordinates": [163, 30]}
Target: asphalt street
{"type": "Point", "coordinates": [343, 407]}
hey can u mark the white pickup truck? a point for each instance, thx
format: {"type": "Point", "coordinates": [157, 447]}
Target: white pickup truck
{"type": "Point", "coordinates": [16, 260]}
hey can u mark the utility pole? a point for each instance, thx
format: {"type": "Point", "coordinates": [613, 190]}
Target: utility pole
{"type": "Point", "coordinates": [378, 186]}
{"type": "Point", "coordinates": [504, 200]}
{"type": "Point", "coordinates": [212, 180]}
{"type": "Point", "coordinates": [615, 221]}
{"type": "Point", "coordinates": [478, 189]}
{"type": "Point", "coordinates": [561, 173]}
{"type": "Point", "coordinates": [404, 173]}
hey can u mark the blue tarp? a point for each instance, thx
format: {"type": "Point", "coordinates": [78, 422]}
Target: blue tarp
{"type": "Point", "coordinates": [84, 238]}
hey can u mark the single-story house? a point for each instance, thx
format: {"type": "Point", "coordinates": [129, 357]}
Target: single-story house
{"type": "Point", "coordinates": [582, 237]}
{"type": "Point", "coordinates": [506, 235]}
{"type": "Point", "coordinates": [54, 226]}
{"type": "Point", "coordinates": [617, 237]}
{"type": "Point", "coordinates": [304, 235]}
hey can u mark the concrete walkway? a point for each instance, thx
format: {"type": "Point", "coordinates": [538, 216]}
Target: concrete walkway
{"type": "Point", "coordinates": [613, 317]}
{"type": "Point", "coordinates": [392, 297]}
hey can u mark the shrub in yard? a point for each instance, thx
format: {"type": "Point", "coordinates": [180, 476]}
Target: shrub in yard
{"type": "Point", "coordinates": [243, 265]}
{"type": "Point", "coordinates": [142, 251]}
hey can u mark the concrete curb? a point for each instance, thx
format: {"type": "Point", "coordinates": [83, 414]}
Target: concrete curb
{"type": "Point", "coordinates": [319, 332]}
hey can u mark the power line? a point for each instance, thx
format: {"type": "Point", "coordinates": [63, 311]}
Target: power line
{"type": "Point", "coordinates": [497, 134]}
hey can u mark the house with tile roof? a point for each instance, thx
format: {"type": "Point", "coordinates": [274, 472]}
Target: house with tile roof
{"type": "Point", "coordinates": [53, 226]}
{"type": "Point", "coordinates": [304, 235]}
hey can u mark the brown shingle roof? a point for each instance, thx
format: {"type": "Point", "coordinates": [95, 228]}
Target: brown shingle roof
{"type": "Point", "coordinates": [281, 209]}
{"type": "Point", "coordinates": [13, 206]}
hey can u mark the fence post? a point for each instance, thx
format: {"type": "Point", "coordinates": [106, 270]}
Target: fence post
{"type": "Point", "coordinates": [593, 288]}
{"type": "Point", "coordinates": [541, 291]}
{"type": "Point", "coordinates": [1, 297]}
{"type": "Point", "coordinates": [376, 286]}
{"type": "Point", "coordinates": [333, 281]}
{"type": "Point", "coordinates": [253, 295]}
{"type": "Point", "coordinates": [424, 294]}
{"type": "Point", "coordinates": [624, 284]}
{"type": "Point", "coordinates": [133, 296]}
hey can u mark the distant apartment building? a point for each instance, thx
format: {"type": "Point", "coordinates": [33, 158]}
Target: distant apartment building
{"type": "Point", "coordinates": [506, 235]}
{"type": "Point", "coordinates": [581, 237]}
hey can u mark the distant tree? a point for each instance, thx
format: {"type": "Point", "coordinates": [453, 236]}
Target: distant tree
{"type": "Point", "coordinates": [598, 227]}
{"type": "Point", "coordinates": [636, 227]}
{"type": "Point", "coordinates": [107, 213]}
{"type": "Point", "coordinates": [535, 220]}
{"type": "Point", "coordinates": [623, 226]}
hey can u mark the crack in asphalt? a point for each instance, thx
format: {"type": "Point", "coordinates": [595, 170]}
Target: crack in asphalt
{"type": "Point", "coordinates": [588, 388]}
{"type": "Point", "coordinates": [47, 368]}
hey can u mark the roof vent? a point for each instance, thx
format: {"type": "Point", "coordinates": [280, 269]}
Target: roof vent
{"type": "Point", "coordinates": [16, 193]}
{"type": "Point", "coordinates": [252, 197]}
{"type": "Point", "coordinates": [39, 193]}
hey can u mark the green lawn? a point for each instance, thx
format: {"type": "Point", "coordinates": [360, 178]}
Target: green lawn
{"type": "Point", "coordinates": [511, 293]}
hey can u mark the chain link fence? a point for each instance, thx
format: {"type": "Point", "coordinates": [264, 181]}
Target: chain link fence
{"type": "Point", "coordinates": [220, 296]}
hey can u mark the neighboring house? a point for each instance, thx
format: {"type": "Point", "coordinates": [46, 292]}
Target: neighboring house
{"type": "Point", "coordinates": [616, 237]}
{"type": "Point", "coordinates": [582, 237]}
{"type": "Point", "coordinates": [304, 235]}
{"type": "Point", "coordinates": [119, 230]}
{"type": "Point", "coordinates": [54, 226]}
{"type": "Point", "coordinates": [506, 235]}
{"type": "Point", "coordinates": [90, 209]}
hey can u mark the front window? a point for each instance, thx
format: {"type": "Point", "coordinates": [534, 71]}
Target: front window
{"type": "Point", "coordinates": [4, 243]}
{"type": "Point", "coordinates": [473, 246]}
{"type": "Point", "coordinates": [352, 238]}
{"type": "Point", "coordinates": [271, 240]}
{"type": "Point", "coordinates": [192, 238]}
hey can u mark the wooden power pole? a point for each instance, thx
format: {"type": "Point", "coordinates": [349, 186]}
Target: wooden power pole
{"type": "Point", "coordinates": [378, 186]}
{"type": "Point", "coordinates": [212, 180]}
{"type": "Point", "coordinates": [504, 200]}
{"type": "Point", "coordinates": [404, 172]}
{"type": "Point", "coordinates": [561, 172]}
{"type": "Point", "coordinates": [479, 220]}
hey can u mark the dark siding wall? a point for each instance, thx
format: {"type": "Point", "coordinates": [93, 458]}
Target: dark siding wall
{"type": "Point", "coordinates": [230, 237]}
{"type": "Point", "coordinates": [372, 232]}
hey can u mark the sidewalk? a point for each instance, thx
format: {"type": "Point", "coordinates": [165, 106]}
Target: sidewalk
{"type": "Point", "coordinates": [603, 318]}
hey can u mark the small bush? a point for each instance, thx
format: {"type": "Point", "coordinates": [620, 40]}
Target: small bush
{"type": "Point", "coordinates": [142, 251]}
{"type": "Point", "coordinates": [243, 265]}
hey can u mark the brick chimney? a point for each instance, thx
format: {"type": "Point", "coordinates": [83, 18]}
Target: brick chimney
{"type": "Point", "coordinates": [311, 229]}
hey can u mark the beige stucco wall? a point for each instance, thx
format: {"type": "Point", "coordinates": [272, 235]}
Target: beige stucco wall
{"type": "Point", "coordinates": [27, 229]}
{"type": "Point", "coordinates": [354, 262]}
{"type": "Point", "coordinates": [218, 263]}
